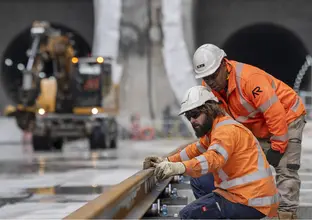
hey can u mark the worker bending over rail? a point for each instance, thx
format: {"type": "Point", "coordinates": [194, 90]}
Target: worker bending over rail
{"type": "Point", "coordinates": [268, 107]}
{"type": "Point", "coordinates": [244, 182]}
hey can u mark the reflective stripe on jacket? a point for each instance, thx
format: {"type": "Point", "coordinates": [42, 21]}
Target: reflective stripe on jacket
{"type": "Point", "coordinates": [234, 156]}
{"type": "Point", "coordinates": [262, 103]}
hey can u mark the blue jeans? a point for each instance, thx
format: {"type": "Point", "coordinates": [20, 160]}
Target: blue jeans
{"type": "Point", "coordinates": [203, 185]}
{"type": "Point", "coordinates": [210, 205]}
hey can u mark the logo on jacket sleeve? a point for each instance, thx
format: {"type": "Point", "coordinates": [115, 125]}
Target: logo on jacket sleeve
{"type": "Point", "coordinates": [256, 91]}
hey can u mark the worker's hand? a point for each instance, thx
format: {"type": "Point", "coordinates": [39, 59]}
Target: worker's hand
{"type": "Point", "coordinates": [166, 169]}
{"type": "Point", "coordinates": [274, 157]}
{"type": "Point", "coordinates": [152, 161]}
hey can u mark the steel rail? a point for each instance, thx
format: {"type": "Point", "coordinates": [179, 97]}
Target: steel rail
{"type": "Point", "coordinates": [129, 199]}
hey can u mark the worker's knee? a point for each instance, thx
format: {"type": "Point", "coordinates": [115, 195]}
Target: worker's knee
{"type": "Point", "coordinates": [288, 181]}
{"type": "Point", "coordinates": [196, 184]}
{"type": "Point", "coordinates": [290, 162]}
{"type": "Point", "coordinates": [203, 185]}
{"type": "Point", "coordinates": [200, 211]}
{"type": "Point", "coordinates": [185, 213]}
{"type": "Point", "coordinates": [289, 170]}
{"type": "Point", "coordinates": [204, 208]}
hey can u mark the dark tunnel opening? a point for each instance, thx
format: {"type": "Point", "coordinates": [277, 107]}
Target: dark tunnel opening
{"type": "Point", "coordinates": [14, 58]}
{"type": "Point", "coordinates": [271, 48]}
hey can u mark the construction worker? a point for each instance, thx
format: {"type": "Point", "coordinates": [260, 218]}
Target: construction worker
{"type": "Point", "coordinates": [245, 186]}
{"type": "Point", "coordinates": [268, 107]}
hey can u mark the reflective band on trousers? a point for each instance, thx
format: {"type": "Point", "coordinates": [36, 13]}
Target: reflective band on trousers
{"type": "Point", "coordinates": [250, 109]}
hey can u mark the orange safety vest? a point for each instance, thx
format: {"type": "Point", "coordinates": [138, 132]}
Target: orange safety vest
{"type": "Point", "coordinates": [234, 156]}
{"type": "Point", "coordinates": [262, 103]}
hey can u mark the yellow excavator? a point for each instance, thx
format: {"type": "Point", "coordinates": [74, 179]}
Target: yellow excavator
{"type": "Point", "coordinates": [69, 101]}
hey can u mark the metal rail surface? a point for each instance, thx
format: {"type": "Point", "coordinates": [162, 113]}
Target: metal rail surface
{"type": "Point", "coordinates": [128, 199]}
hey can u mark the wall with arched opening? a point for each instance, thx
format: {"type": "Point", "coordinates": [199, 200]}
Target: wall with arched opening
{"type": "Point", "coordinates": [17, 16]}
{"type": "Point", "coordinates": [14, 58]}
{"type": "Point", "coordinates": [273, 48]}
{"type": "Point", "coordinates": [269, 34]}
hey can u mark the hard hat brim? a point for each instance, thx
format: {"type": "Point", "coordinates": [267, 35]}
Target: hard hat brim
{"type": "Point", "coordinates": [196, 97]}
{"type": "Point", "coordinates": [189, 108]}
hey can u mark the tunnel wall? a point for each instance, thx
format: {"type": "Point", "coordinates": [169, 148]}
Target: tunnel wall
{"type": "Point", "coordinates": [215, 21]}
{"type": "Point", "coordinates": [16, 15]}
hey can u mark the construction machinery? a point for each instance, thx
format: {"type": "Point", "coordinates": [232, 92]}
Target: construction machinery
{"type": "Point", "coordinates": [63, 96]}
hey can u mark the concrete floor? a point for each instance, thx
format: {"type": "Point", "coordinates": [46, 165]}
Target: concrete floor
{"type": "Point", "coordinates": [52, 185]}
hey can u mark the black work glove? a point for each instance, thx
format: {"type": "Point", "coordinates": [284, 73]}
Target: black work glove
{"type": "Point", "coordinates": [274, 157]}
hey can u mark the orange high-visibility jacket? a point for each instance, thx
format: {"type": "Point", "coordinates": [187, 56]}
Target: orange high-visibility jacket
{"type": "Point", "coordinates": [262, 103]}
{"type": "Point", "coordinates": [234, 156]}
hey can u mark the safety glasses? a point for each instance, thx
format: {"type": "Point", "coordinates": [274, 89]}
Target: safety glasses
{"type": "Point", "coordinates": [195, 113]}
{"type": "Point", "coordinates": [213, 76]}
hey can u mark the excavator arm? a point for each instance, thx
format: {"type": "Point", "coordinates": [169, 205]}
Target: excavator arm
{"type": "Point", "coordinates": [48, 46]}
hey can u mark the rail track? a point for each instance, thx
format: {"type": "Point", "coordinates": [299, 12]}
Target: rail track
{"type": "Point", "coordinates": [141, 197]}
{"type": "Point", "coordinates": [137, 197]}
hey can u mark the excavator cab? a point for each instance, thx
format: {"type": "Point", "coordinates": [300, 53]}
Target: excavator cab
{"type": "Point", "coordinates": [92, 81]}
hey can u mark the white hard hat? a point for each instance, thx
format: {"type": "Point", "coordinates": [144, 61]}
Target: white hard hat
{"type": "Point", "coordinates": [207, 59]}
{"type": "Point", "coordinates": [195, 97]}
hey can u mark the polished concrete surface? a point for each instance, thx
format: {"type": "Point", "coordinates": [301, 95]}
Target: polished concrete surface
{"type": "Point", "coordinates": [51, 185]}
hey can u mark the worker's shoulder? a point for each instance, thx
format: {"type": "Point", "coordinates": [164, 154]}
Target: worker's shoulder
{"type": "Point", "coordinates": [234, 133]}
{"type": "Point", "coordinates": [229, 127]}
{"type": "Point", "coordinates": [252, 74]}
{"type": "Point", "coordinates": [226, 133]}
{"type": "Point", "coordinates": [249, 70]}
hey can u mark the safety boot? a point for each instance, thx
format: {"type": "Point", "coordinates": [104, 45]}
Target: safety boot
{"type": "Point", "coordinates": [287, 215]}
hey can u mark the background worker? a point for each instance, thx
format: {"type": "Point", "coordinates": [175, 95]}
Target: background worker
{"type": "Point", "coordinates": [268, 107]}
{"type": "Point", "coordinates": [245, 185]}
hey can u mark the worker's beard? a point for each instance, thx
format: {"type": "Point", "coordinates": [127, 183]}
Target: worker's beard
{"type": "Point", "coordinates": [201, 130]}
